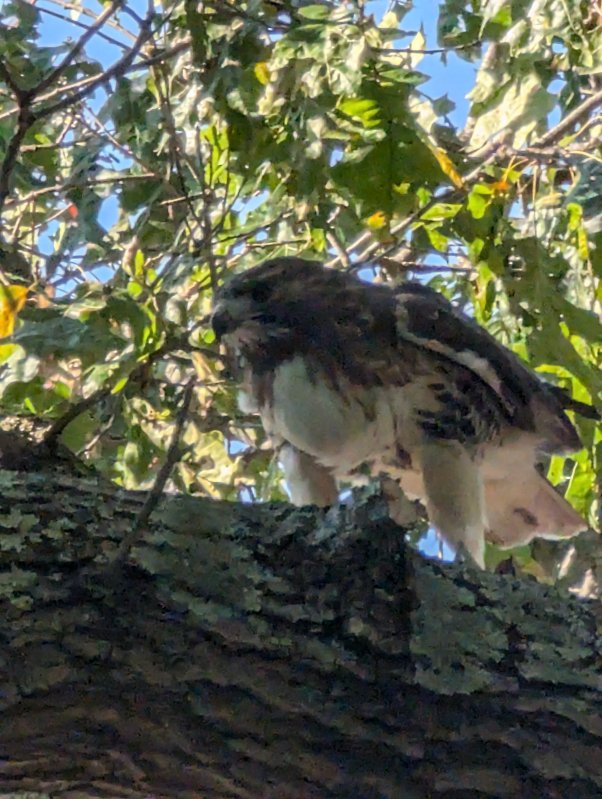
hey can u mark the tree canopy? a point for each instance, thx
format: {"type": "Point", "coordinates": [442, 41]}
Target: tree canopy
{"type": "Point", "coordinates": [161, 148]}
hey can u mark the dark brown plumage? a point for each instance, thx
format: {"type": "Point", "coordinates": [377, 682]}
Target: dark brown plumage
{"type": "Point", "coordinates": [352, 378]}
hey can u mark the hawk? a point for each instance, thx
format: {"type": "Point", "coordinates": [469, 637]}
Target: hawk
{"type": "Point", "coordinates": [354, 379]}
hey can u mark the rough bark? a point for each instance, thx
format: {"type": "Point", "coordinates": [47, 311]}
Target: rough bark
{"type": "Point", "coordinates": [275, 652]}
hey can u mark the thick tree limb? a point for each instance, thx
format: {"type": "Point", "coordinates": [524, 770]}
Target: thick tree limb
{"type": "Point", "coordinates": [263, 651]}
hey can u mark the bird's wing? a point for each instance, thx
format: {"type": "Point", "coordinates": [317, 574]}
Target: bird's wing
{"type": "Point", "coordinates": [429, 320]}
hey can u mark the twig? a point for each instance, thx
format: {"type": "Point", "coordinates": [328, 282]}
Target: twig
{"type": "Point", "coordinates": [100, 432]}
{"type": "Point", "coordinates": [156, 492]}
{"type": "Point", "coordinates": [548, 139]}
{"type": "Point", "coordinates": [429, 50]}
{"type": "Point", "coordinates": [400, 227]}
{"type": "Point", "coordinates": [160, 57]}
{"type": "Point", "coordinates": [27, 116]}
{"type": "Point", "coordinates": [81, 9]}
{"type": "Point", "coordinates": [57, 428]}
{"type": "Point", "coordinates": [118, 69]}
{"type": "Point", "coordinates": [552, 136]}
{"type": "Point", "coordinates": [177, 155]}
{"type": "Point", "coordinates": [83, 25]}
{"type": "Point", "coordinates": [53, 76]}
{"type": "Point", "coordinates": [341, 252]}
{"type": "Point", "coordinates": [58, 187]}
{"type": "Point", "coordinates": [75, 410]}
{"type": "Point", "coordinates": [420, 266]}
{"type": "Point", "coordinates": [25, 120]}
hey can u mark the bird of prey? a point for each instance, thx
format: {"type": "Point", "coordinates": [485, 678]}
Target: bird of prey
{"type": "Point", "coordinates": [353, 379]}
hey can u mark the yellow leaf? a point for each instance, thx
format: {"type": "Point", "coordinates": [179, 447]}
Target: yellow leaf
{"type": "Point", "coordinates": [262, 73]}
{"type": "Point", "coordinates": [401, 188]}
{"type": "Point", "coordinates": [582, 244]}
{"type": "Point", "coordinates": [377, 221]}
{"type": "Point", "coordinates": [139, 262]}
{"type": "Point", "coordinates": [500, 186]}
{"type": "Point", "coordinates": [447, 166]}
{"type": "Point", "coordinates": [12, 299]}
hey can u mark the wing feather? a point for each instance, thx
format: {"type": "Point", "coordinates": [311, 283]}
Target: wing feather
{"type": "Point", "coordinates": [429, 320]}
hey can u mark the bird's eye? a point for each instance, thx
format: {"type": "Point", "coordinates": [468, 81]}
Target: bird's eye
{"type": "Point", "coordinates": [260, 292]}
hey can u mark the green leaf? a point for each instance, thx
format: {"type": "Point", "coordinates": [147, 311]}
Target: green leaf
{"type": "Point", "coordinates": [314, 12]}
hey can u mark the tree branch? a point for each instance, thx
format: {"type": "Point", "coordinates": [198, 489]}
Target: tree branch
{"type": "Point", "coordinates": [575, 116]}
{"type": "Point", "coordinates": [491, 156]}
{"type": "Point", "coordinates": [25, 99]}
{"type": "Point", "coordinates": [154, 495]}
{"type": "Point", "coordinates": [59, 425]}
{"type": "Point", "coordinates": [25, 120]}
{"type": "Point", "coordinates": [266, 651]}
{"type": "Point", "coordinates": [118, 69]}
{"type": "Point", "coordinates": [55, 74]}
{"type": "Point", "coordinates": [77, 23]}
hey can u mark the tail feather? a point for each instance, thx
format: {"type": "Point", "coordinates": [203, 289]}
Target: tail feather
{"type": "Point", "coordinates": [526, 506]}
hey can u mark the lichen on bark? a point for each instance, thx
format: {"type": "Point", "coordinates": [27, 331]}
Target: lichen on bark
{"type": "Point", "coordinates": [267, 651]}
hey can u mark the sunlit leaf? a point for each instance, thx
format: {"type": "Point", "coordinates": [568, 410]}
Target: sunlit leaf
{"type": "Point", "coordinates": [377, 221]}
{"type": "Point", "coordinates": [12, 299]}
{"type": "Point", "coordinates": [447, 166]}
{"type": "Point", "coordinates": [262, 72]}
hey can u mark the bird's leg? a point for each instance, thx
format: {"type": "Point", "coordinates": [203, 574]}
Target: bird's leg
{"type": "Point", "coordinates": [402, 510]}
{"type": "Point", "coordinates": [454, 496]}
{"type": "Point", "coordinates": [309, 483]}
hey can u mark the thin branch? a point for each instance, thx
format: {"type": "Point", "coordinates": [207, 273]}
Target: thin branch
{"type": "Point", "coordinates": [177, 155]}
{"type": "Point", "coordinates": [102, 430]}
{"type": "Point", "coordinates": [83, 25]}
{"type": "Point", "coordinates": [25, 120]}
{"type": "Point", "coordinates": [154, 495]}
{"type": "Point", "coordinates": [53, 76]}
{"type": "Point", "coordinates": [81, 9]}
{"type": "Point", "coordinates": [341, 252]}
{"type": "Point", "coordinates": [576, 115]}
{"type": "Point", "coordinates": [84, 82]}
{"type": "Point", "coordinates": [103, 132]}
{"type": "Point", "coordinates": [75, 410]}
{"type": "Point", "coordinates": [420, 266]}
{"type": "Point", "coordinates": [58, 187]}
{"type": "Point", "coordinates": [59, 426]}
{"type": "Point", "coordinates": [429, 51]}
{"type": "Point", "coordinates": [27, 117]}
{"type": "Point", "coordinates": [118, 69]}
{"type": "Point", "coordinates": [162, 56]}
{"type": "Point", "coordinates": [492, 155]}
{"type": "Point", "coordinates": [60, 90]}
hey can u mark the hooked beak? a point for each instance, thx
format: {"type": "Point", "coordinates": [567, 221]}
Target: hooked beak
{"type": "Point", "coordinates": [221, 321]}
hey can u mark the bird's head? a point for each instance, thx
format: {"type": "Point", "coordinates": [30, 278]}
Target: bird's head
{"type": "Point", "coordinates": [249, 306]}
